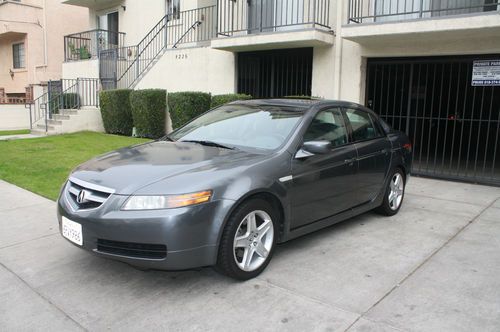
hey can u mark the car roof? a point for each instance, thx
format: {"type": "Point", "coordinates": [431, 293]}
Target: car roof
{"type": "Point", "coordinates": [300, 104]}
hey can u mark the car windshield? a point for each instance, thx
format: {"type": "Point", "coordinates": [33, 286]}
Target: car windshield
{"type": "Point", "coordinates": [242, 126]}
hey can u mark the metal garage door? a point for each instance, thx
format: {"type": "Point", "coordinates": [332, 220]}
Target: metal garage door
{"type": "Point", "coordinates": [454, 126]}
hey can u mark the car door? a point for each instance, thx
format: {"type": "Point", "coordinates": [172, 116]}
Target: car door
{"type": "Point", "coordinates": [374, 153]}
{"type": "Point", "coordinates": [323, 184]}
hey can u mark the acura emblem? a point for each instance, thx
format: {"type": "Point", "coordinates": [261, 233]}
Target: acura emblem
{"type": "Point", "coordinates": [81, 197]}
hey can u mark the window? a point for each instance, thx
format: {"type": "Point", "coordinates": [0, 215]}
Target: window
{"type": "Point", "coordinates": [173, 8]}
{"type": "Point", "coordinates": [328, 125]}
{"type": "Point", "coordinates": [18, 55]}
{"type": "Point", "coordinates": [362, 125]}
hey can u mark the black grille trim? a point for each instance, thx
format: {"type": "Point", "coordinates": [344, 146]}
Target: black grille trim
{"type": "Point", "coordinates": [96, 199]}
{"type": "Point", "coordinates": [130, 249]}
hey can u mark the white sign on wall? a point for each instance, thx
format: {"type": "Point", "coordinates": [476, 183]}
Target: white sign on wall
{"type": "Point", "coordinates": [486, 73]}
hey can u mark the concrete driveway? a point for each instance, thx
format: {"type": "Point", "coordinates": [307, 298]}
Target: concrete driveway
{"type": "Point", "coordinates": [433, 267]}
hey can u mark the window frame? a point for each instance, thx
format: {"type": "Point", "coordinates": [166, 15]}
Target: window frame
{"type": "Point", "coordinates": [20, 60]}
{"type": "Point", "coordinates": [346, 124]}
{"type": "Point", "coordinates": [169, 9]}
{"type": "Point", "coordinates": [379, 133]}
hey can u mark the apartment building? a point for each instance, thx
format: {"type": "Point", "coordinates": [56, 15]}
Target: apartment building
{"type": "Point", "coordinates": [428, 67]}
{"type": "Point", "coordinates": [31, 44]}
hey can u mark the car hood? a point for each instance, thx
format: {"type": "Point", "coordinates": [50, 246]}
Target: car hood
{"type": "Point", "coordinates": [130, 169]}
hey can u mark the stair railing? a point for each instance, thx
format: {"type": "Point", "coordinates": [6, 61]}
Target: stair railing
{"type": "Point", "coordinates": [189, 26]}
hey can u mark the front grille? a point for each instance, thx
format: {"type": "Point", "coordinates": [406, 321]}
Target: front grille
{"type": "Point", "coordinates": [92, 198]}
{"type": "Point", "coordinates": [129, 249]}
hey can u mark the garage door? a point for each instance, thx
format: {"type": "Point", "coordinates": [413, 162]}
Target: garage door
{"type": "Point", "coordinates": [276, 73]}
{"type": "Point", "coordinates": [453, 125]}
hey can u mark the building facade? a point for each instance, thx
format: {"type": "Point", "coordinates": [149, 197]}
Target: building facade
{"type": "Point", "coordinates": [31, 44]}
{"type": "Point", "coordinates": [428, 67]}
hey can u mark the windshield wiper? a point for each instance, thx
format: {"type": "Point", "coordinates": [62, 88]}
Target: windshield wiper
{"type": "Point", "coordinates": [209, 143]}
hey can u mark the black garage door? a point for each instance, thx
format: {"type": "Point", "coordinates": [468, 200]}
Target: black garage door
{"type": "Point", "coordinates": [276, 73]}
{"type": "Point", "coordinates": [454, 126]}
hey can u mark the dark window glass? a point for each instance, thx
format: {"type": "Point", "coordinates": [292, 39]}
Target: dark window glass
{"type": "Point", "coordinates": [18, 55]}
{"type": "Point", "coordinates": [328, 125]}
{"type": "Point", "coordinates": [362, 126]}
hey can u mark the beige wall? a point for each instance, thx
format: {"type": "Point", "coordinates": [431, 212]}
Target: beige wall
{"type": "Point", "coordinates": [193, 69]}
{"type": "Point", "coordinates": [45, 24]}
{"type": "Point", "coordinates": [14, 117]}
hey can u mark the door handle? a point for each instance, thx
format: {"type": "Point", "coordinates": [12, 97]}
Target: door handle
{"type": "Point", "coordinates": [349, 161]}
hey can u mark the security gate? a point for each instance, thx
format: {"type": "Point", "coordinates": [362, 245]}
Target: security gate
{"type": "Point", "coordinates": [276, 73]}
{"type": "Point", "coordinates": [454, 126]}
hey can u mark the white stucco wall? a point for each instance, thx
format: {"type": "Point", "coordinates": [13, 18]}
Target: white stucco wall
{"type": "Point", "coordinates": [14, 117]}
{"type": "Point", "coordinates": [87, 119]}
{"type": "Point", "coordinates": [193, 69]}
{"type": "Point", "coordinates": [83, 68]}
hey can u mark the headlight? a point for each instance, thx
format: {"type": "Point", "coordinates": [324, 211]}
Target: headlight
{"type": "Point", "coordinates": [167, 201]}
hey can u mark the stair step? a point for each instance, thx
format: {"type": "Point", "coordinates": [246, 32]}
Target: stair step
{"type": "Point", "coordinates": [67, 111]}
{"type": "Point", "coordinates": [41, 126]}
{"type": "Point", "coordinates": [54, 122]}
{"type": "Point", "coordinates": [38, 132]}
{"type": "Point", "coordinates": [61, 117]}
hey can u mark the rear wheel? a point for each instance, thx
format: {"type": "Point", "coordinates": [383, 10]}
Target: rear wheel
{"type": "Point", "coordinates": [394, 194]}
{"type": "Point", "coordinates": [248, 240]}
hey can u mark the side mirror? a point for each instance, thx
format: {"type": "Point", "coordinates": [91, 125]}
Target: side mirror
{"type": "Point", "coordinates": [314, 147]}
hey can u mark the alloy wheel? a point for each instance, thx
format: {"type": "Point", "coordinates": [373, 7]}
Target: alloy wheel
{"type": "Point", "coordinates": [396, 192]}
{"type": "Point", "coordinates": [253, 240]}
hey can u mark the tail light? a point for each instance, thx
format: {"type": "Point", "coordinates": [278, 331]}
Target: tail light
{"type": "Point", "coordinates": [407, 147]}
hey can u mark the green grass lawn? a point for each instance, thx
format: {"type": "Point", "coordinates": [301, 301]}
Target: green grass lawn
{"type": "Point", "coordinates": [41, 165]}
{"type": "Point", "coordinates": [14, 132]}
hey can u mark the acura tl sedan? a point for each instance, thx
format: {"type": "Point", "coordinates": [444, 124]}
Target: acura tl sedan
{"type": "Point", "coordinates": [228, 186]}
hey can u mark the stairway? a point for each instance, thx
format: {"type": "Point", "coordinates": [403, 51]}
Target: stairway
{"type": "Point", "coordinates": [71, 120]}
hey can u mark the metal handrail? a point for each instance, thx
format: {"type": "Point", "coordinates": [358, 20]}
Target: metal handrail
{"type": "Point", "coordinates": [368, 11]}
{"type": "Point", "coordinates": [177, 29]}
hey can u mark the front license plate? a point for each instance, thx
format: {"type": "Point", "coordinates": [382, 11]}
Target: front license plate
{"type": "Point", "coordinates": [72, 231]}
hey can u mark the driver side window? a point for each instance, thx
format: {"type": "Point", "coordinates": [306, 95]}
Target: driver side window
{"type": "Point", "coordinates": [327, 125]}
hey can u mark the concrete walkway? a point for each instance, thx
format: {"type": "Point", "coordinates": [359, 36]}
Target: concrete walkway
{"type": "Point", "coordinates": [20, 136]}
{"type": "Point", "coordinates": [433, 267]}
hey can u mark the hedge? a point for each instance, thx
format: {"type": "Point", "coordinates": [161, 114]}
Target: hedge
{"type": "Point", "coordinates": [218, 100]}
{"type": "Point", "coordinates": [148, 112]}
{"type": "Point", "coordinates": [184, 106]}
{"type": "Point", "coordinates": [116, 112]}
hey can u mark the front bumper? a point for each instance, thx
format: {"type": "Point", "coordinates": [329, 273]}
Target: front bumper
{"type": "Point", "coordinates": [190, 234]}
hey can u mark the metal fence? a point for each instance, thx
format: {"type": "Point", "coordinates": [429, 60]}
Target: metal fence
{"type": "Point", "coordinates": [453, 125]}
{"type": "Point", "coordinates": [367, 11]}
{"type": "Point", "coordinates": [88, 44]}
{"type": "Point", "coordinates": [64, 94]}
{"type": "Point", "coordinates": [256, 16]}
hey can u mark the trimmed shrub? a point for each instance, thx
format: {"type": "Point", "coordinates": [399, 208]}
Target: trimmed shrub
{"type": "Point", "coordinates": [218, 100]}
{"type": "Point", "coordinates": [184, 106]}
{"type": "Point", "coordinates": [116, 112]}
{"type": "Point", "coordinates": [148, 112]}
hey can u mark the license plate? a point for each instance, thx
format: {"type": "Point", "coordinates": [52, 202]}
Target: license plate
{"type": "Point", "coordinates": [72, 231]}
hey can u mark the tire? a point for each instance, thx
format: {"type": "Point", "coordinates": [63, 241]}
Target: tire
{"type": "Point", "coordinates": [393, 194]}
{"type": "Point", "coordinates": [245, 251]}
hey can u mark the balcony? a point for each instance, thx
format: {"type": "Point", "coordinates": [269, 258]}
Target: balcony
{"type": "Point", "coordinates": [89, 44]}
{"type": "Point", "coordinates": [374, 21]}
{"type": "Point", "coordinates": [263, 24]}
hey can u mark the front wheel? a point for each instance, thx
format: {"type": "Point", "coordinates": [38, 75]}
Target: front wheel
{"type": "Point", "coordinates": [248, 240]}
{"type": "Point", "coordinates": [394, 194]}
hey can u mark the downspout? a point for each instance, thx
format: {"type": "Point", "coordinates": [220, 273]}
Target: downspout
{"type": "Point", "coordinates": [338, 51]}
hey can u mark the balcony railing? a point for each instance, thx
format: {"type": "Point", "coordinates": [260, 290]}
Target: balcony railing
{"type": "Point", "coordinates": [369, 11]}
{"type": "Point", "coordinates": [239, 17]}
{"type": "Point", "coordinates": [87, 45]}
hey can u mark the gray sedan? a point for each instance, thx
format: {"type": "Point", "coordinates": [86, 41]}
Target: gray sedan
{"type": "Point", "coordinates": [228, 186]}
